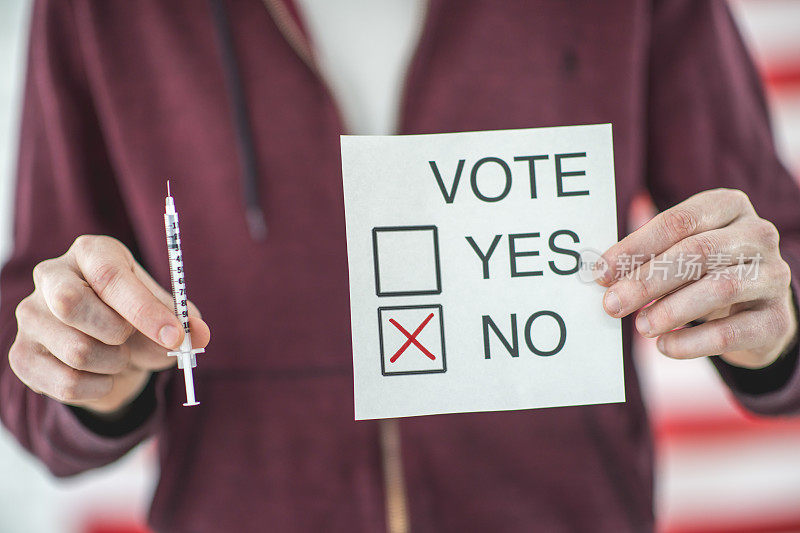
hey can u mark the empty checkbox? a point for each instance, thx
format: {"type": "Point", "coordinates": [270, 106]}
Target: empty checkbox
{"type": "Point", "coordinates": [406, 260]}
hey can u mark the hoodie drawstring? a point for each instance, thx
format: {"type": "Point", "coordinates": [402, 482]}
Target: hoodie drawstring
{"type": "Point", "coordinates": [256, 222]}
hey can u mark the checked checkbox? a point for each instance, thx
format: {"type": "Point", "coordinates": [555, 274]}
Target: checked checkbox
{"type": "Point", "coordinates": [406, 260]}
{"type": "Point", "coordinates": [411, 339]}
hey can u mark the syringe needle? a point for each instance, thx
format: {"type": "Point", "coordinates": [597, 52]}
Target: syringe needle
{"type": "Point", "coordinates": [168, 193]}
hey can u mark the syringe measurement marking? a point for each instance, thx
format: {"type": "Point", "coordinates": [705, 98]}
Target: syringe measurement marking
{"type": "Point", "coordinates": [176, 275]}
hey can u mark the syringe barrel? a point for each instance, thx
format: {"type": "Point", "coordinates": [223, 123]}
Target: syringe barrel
{"type": "Point", "coordinates": [176, 273]}
{"type": "Point", "coordinates": [186, 355]}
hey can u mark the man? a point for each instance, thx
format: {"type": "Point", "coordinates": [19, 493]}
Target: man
{"type": "Point", "coordinates": [121, 95]}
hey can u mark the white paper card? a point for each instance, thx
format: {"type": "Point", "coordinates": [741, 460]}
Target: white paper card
{"type": "Point", "coordinates": [470, 270]}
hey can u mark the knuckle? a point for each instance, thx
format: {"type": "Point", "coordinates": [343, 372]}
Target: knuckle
{"type": "Point", "coordinates": [738, 195]}
{"type": "Point", "coordinates": [18, 358]}
{"type": "Point", "coordinates": [37, 272]}
{"type": "Point", "coordinates": [89, 245]}
{"type": "Point", "coordinates": [726, 336]}
{"type": "Point", "coordinates": [679, 223]}
{"type": "Point", "coordinates": [80, 354]}
{"type": "Point", "coordinates": [702, 247]}
{"type": "Point", "coordinates": [768, 234]}
{"type": "Point", "coordinates": [784, 274]}
{"type": "Point", "coordinates": [24, 312]}
{"type": "Point", "coordinates": [107, 240]}
{"type": "Point", "coordinates": [65, 301]}
{"type": "Point", "coordinates": [104, 276]}
{"type": "Point", "coordinates": [780, 321]}
{"type": "Point", "coordinates": [67, 386]}
{"type": "Point", "coordinates": [119, 359]}
{"type": "Point", "coordinates": [97, 243]}
{"type": "Point", "coordinates": [140, 311]}
{"type": "Point", "coordinates": [727, 287]}
{"type": "Point", "coordinates": [83, 243]}
{"type": "Point", "coordinates": [117, 334]}
{"type": "Point", "coordinates": [641, 288]}
{"type": "Point", "coordinates": [40, 271]}
{"type": "Point", "coordinates": [662, 316]}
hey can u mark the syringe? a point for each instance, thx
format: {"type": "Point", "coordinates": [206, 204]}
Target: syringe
{"type": "Point", "coordinates": [186, 354]}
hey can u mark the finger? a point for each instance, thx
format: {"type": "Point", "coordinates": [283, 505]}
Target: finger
{"type": "Point", "coordinates": [683, 263]}
{"type": "Point", "coordinates": [109, 268]}
{"type": "Point", "coordinates": [78, 350]}
{"type": "Point", "coordinates": [717, 290]}
{"type": "Point", "coordinates": [747, 330]}
{"type": "Point", "coordinates": [128, 384]}
{"type": "Point", "coordinates": [702, 212]}
{"type": "Point", "coordinates": [201, 334]}
{"type": "Point", "coordinates": [70, 299]}
{"type": "Point", "coordinates": [159, 291]}
{"type": "Point", "coordinates": [44, 373]}
{"type": "Point", "coordinates": [147, 355]}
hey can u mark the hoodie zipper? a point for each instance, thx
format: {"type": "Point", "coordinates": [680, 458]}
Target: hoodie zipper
{"type": "Point", "coordinates": [297, 41]}
{"type": "Point", "coordinates": [291, 32]}
{"type": "Point", "coordinates": [395, 497]}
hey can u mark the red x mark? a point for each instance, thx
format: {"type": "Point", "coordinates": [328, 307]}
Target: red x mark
{"type": "Point", "coordinates": [412, 338]}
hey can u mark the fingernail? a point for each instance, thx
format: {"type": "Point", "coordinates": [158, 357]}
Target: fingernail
{"type": "Point", "coordinates": [612, 303]}
{"type": "Point", "coordinates": [168, 336]}
{"type": "Point", "coordinates": [642, 324]}
{"type": "Point", "coordinates": [660, 344]}
{"type": "Point", "coordinates": [604, 272]}
{"type": "Point", "coordinates": [599, 269]}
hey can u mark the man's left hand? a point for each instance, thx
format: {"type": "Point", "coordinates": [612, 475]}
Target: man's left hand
{"type": "Point", "coordinates": [712, 259]}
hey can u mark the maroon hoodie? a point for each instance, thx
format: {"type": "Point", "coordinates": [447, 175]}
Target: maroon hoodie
{"type": "Point", "coordinates": [121, 95]}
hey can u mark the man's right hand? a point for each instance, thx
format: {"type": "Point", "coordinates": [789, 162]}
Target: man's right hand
{"type": "Point", "coordinates": [96, 326]}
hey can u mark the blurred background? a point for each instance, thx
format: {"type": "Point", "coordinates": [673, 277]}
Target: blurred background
{"type": "Point", "coordinates": [718, 470]}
